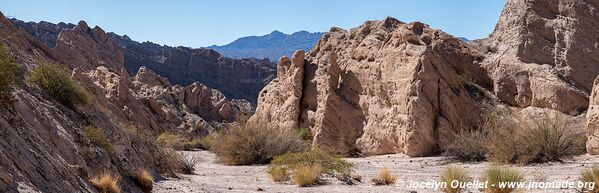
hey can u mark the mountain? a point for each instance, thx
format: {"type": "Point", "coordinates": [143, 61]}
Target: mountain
{"type": "Point", "coordinates": [235, 78]}
{"type": "Point", "coordinates": [271, 46]}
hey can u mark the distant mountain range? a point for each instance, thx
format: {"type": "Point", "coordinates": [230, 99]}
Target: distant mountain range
{"type": "Point", "coordinates": [271, 46]}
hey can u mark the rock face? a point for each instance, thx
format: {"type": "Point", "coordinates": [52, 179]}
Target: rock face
{"type": "Point", "coordinates": [545, 54]}
{"type": "Point", "coordinates": [43, 146]}
{"type": "Point", "coordinates": [395, 84]}
{"type": "Point", "coordinates": [236, 78]}
{"type": "Point", "coordinates": [593, 121]}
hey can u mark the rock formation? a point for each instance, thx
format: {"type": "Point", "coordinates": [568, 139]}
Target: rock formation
{"type": "Point", "coordinates": [396, 84]}
{"type": "Point", "coordinates": [236, 78]}
{"type": "Point", "coordinates": [545, 54]}
{"type": "Point", "coordinates": [43, 147]}
{"type": "Point", "coordinates": [405, 87]}
{"type": "Point", "coordinates": [593, 120]}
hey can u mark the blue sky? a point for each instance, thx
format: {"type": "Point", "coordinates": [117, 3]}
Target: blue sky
{"type": "Point", "coordinates": [206, 22]}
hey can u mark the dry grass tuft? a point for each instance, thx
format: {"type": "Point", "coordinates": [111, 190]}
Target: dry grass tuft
{"type": "Point", "coordinates": [495, 175]}
{"type": "Point", "coordinates": [143, 179]}
{"type": "Point", "coordinates": [306, 175]}
{"type": "Point", "coordinates": [106, 183]}
{"type": "Point", "coordinates": [384, 178]}
{"type": "Point", "coordinates": [468, 146]}
{"type": "Point", "coordinates": [590, 176]}
{"type": "Point", "coordinates": [187, 165]}
{"type": "Point", "coordinates": [454, 174]}
{"type": "Point", "coordinates": [246, 145]}
{"type": "Point", "coordinates": [278, 173]}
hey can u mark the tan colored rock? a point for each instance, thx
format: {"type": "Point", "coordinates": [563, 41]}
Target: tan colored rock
{"type": "Point", "coordinates": [593, 121]}
{"type": "Point", "coordinates": [394, 84]}
{"type": "Point", "coordinates": [544, 53]}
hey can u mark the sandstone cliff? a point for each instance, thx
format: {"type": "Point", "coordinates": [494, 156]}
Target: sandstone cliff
{"type": "Point", "coordinates": [43, 147]}
{"type": "Point", "coordinates": [404, 87]}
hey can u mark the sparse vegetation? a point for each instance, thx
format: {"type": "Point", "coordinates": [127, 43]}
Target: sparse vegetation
{"type": "Point", "coordinates": [306, 135]}
{"type": "Point", "coordinates": [347, 143]}
{"type": "Point", "coordinates": [143, 179]}
{"type": "Point", "coordinates": [278, 173]}
{"type": "Point", "coordinates": [187, 165]}
{"type": "Point", "coordinates": [535, 140]}
{"type": "Point", "coordinates": [55, 81]}
{"type": "Point", "coordinates": [590, 176]}
{"type": "Point", "coordinates": [97, 137]}
{"type": "Point", "coordinates": [180, 142]}
{"type": "Point", "coordinates": [495, 175]}
{"type": "Point", "coordinates": [106, 183]}
{"type": "Point", "coordinates": [308, 175]}
{"type": "Point", "coordinates": [168, 162]}
{"type": "Point", "coordinates": [244, 145]}
{"type": "Point", "coordinates": [468, 145]}
{"type": "Point", "coordinates": [8, 77]}
{"type": "Point", "coordinates": [328, 163]}
{"type": "Point", "coordinates": [453, 174]}
{"type": "Point", "coordinates": [384, 178]}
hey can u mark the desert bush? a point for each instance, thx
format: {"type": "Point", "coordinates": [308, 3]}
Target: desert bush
{"type": "Point", "coordinates": [495, 175]}
{"type": "Point", "coordinates": [537, 140]}
{"type": "Point", "coordinates": [106, 183]}
{"type": "Point", "coordinates": [205, 142]}
{"type": "Point", "coordinates": [8, 77]}
{"type": "Point", "coordinates": [245, 145]}
{"type": "Point", "coordinates": [590, 176]}
{"type": "Point", "coordinates": [168, 162]}
{"type": "Point", "coordinates": [306, 135]}
{"type": "Point", "coordinates": [384, 178]}
{"type": "Point", "coordinates": [143, 179]}
{"type": "Point", "coordinates": [467, 145]}
{"type": "Point", "coordinates": [451, 174]}
{"type": "Point", "coordinates": [55, 81]}
{"type": "Point", "coordinates": [278, 173]}
{"type": "Point", "coordinates": [347, 146]}
{"type": "Point", "coordinates": [187, 165]}
{"type": "Point", "coordinates": [97, 137]}
{"type": "Point", "coordinates": [304, 176]}
{"type": "Point", "coordinates": [328, 163]}
{"type": "Point", "coordinates": [177, 142]}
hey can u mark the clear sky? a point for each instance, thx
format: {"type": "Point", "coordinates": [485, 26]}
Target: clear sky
{"type": "Point", "coordinates": [207, 22]}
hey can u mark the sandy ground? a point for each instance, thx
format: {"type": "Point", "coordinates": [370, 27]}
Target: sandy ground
{"type": "Point", "coordinates": [215, 177]}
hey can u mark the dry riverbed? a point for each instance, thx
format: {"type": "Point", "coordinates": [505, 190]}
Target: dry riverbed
{"type": "Point", "coordinates": [212, 176]}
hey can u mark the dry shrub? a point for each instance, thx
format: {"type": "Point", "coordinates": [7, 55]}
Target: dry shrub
{"type": "Point", "coordinates": [278, 173]}
{"type": "Point", "coordinates": [347, 146]}
{"type": "Point", "coordinates": [384, 178]}
{"type": "Point", "coordinates": [451, 174]}
{"type": "Point", "coordinates": [178, 142]}
{"type": "Point", "coordinates": [8, 77]}
{"type": "Point", "coordinates": [495, 175]}
{"type": "Point", "coordinates": [56, 81]}
{"type": "Point", "coordinates": [590, 176]}
{"type": "Point", "coordinates": [467, 145]}
{"type": "Point", "coordinates": [245, 145]}
{"type": "Point", "coordinates": [329, 164]}
{"type": "Point", "coordinates": [536, 140]}
{"type": "Point", "coordinates": [187, 165]}
{"type": "Point", "coordinates": [168, 162]}
{"type": "Point", "coordinates": [304, 176]}
{"type": "Point", "coordinates": [106, 183]}
{"type": "Point", "coordinates": [143, 179]}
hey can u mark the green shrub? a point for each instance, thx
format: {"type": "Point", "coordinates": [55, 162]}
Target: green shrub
{"type": "Point", "coordinates": [8, 77]}
{"type": "Point", "coordinates": [245, 145]}
{"type": "Point", "coordinates": [306, 135]}
{"type": "Point", "coordinates": [329, 163]}
{"type": "Point", "coordinates": [590, 176]}
{"type": "Point", "coordinates": [97, 137]}
{"type": "Point", "coordinates": [55, 81]}
{"type": "Point", "coordinates": [278, 173]}
{"type": "Point", "coordinates": [467, 146]}
{"type": "Point", "coordinates": [495, 175]}
{"type": "Point", "coordinates": [181, 142]}
{"type": "Point", "coordinates": [451, 174]}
